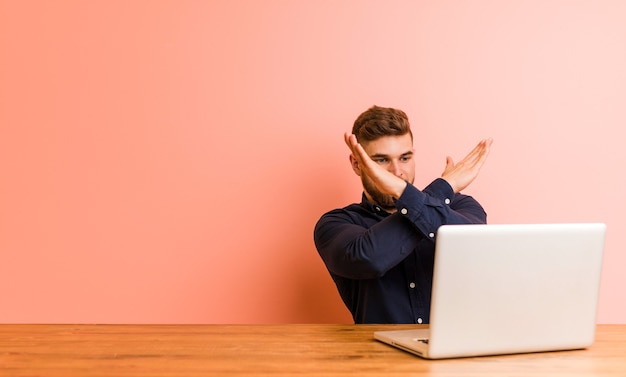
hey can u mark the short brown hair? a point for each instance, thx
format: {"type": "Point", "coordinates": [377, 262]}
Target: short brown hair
{"type": "Point", "coordinates": [378, 121]}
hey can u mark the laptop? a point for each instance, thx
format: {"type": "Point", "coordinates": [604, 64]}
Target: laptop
{"type": "Point", "coordinates": [509, 288]}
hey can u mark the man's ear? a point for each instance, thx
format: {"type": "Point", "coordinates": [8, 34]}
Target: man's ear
{"type": "Point", "coordinates": [355, 165]}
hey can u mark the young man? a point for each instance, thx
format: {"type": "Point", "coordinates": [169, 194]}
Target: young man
{"type": "Point", "coordinates": [380, 252]}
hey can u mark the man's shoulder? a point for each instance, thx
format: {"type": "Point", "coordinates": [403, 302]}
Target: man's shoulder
{"type": "Point", "coordinates": [332, 222]}
{"type": "Point", "coordinates": [352, 212]}
{"type": "Point", "coordinates": [350, 208]}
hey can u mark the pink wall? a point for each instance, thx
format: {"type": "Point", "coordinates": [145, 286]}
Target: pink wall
{"type": "Point", "coordinates": [165, 161]}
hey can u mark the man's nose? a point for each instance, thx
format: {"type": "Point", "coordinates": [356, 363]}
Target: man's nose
{"type": "Point", "coordinates": [394, 167]}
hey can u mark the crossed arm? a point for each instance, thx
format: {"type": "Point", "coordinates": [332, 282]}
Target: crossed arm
{"type": "Point", "coordinates": [459, 175]}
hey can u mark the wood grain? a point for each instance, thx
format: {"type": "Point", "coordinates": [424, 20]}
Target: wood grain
{"type": "Point", "coordinates": [269, 350]}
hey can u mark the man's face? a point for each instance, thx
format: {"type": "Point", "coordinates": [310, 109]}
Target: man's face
{"type": "Point", "coordinates": [394, 153]}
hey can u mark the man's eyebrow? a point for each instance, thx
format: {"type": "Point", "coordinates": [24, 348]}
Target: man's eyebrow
{"type": "Point", "coordinates": [382, 155]}
{"type": "Point", "coordinates": [379, 155]}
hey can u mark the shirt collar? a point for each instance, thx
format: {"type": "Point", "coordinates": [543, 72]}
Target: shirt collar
{"type": "Point", "coordinates": [374, 208]}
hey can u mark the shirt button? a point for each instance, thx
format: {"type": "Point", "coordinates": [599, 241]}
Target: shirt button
{"type": "Point", "coordinates": [431, 235]}
{"type": "Point", "coordinates": [419, 320]}
{"type": "Point", "coordinates": [447, 201]}
{"type": "Point", "coordinates": [412, 285]}
{"type": "Point", "coordinates": [404, 211]}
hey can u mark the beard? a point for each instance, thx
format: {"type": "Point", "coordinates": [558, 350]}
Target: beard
{"type": "Point", "coordinates": [385, 201]}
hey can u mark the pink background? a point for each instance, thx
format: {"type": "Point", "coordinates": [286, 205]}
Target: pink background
{"type": "Point", "coordinates": [166, 161]}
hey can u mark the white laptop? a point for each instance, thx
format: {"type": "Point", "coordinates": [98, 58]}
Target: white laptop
{"type": "Point", "coordinates": [501, 289]}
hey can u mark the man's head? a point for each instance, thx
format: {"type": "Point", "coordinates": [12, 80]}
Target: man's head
{"type": "Point", "coordinates": [378, 121]}
{"type": "Point", "coordinates": [386, 137]}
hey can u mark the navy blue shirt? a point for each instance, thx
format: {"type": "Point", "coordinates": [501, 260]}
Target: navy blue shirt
{"type": "Point", "coordinates": [382, 263]}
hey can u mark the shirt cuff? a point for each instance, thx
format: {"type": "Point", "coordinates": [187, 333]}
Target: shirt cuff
{"type": "Point", "coordinates": [441, 189]}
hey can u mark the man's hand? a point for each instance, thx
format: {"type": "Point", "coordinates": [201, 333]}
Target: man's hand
{"type": "Point", "coordinates": [461, 174]}
{"type": "Point", "coordinates": [385, 181]}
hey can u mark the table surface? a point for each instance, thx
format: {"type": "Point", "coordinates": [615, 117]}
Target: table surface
{"type": "Point", "coordinates": [270, 350]}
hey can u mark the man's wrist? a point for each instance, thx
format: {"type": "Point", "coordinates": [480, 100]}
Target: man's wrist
{"type": "Point", "coordinates": [400, 190]}
{"type": "Point", "coordinates": [449, 182]}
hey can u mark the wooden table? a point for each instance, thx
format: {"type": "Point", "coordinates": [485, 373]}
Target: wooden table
{"type": "Point", "coordinates": [269, 350]}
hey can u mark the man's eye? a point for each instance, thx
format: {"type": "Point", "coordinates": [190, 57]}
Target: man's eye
{"type": "Point", "coordinates": [380, 160]}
